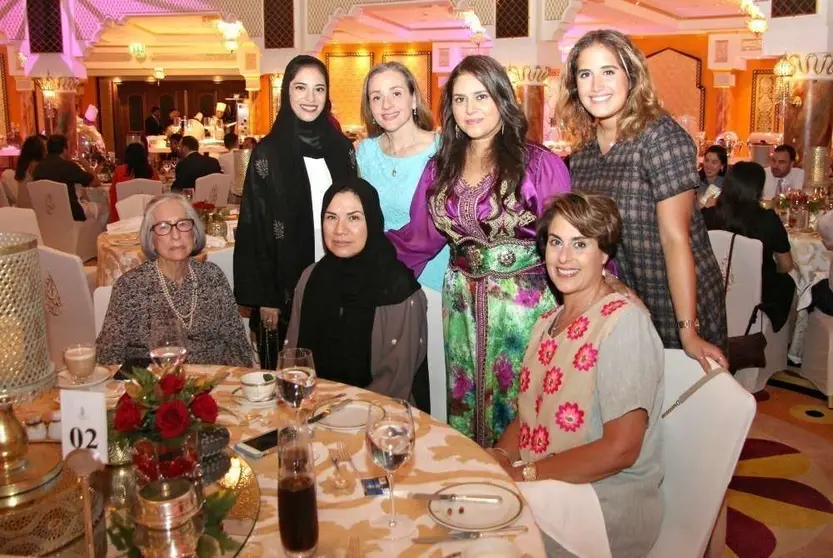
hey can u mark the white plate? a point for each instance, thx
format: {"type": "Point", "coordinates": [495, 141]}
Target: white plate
{"type": "Point", "coordinates": [239, 399]}
{"type": "Point", "coordinates": [491, 548]}
{"type": "Point", "coordinates": [351, 416]}
{"type": "Point", "coordinates": [99, 375]}
{"type": "Point", "coordinates": [476, 517]}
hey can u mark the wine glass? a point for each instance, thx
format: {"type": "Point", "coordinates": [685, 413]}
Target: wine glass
{"type": "Point", "coordinates": [166, 167]}
{"type": "Point", "coordinates": [297, 507]}
{"type": "Point", "coordinates": [296, 378]}
{"type": "Point", "coordinates": [167, 343]}
{"type": "Point", "coordinates": [390, 440]}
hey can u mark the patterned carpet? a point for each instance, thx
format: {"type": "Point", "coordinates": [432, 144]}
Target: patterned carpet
{"type": "Point", "coordinates": [781, 497]}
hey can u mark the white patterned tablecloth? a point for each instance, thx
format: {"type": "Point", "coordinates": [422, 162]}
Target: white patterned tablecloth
{"type": "Point", "coordinates": [812, 264]}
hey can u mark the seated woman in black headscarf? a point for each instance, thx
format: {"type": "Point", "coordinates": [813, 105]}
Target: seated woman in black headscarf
{"type": "Point", "coordinates": [359, 310]}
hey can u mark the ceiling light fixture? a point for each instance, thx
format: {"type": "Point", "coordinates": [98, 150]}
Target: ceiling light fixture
{"type": "Point", "coordinates": [757, 26]}
{"type": "Point", "coordinates": [117, 80]}
{"type": "Point", "coordinates": [218, 79]}
{"type": "Point", "coordinates": [783, 68]}
{"type": "Point", "coordinates": [231, 45]}
{"type": "Point", "coordinates": [137, 51]}
{"type": "Point", "coordinates": [159, 73]}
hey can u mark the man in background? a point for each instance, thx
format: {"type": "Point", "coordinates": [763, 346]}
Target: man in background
{"type": "Point", "coordinates": [58, 168]}
{"type": "Point", "coordinates": [192, 165]}
{"type": "Point", "coordinates": [153, 123]}
{"type": "Point", "coordinates": [227, 159]}
{"type": "Point", "coordinates": [782, 175]}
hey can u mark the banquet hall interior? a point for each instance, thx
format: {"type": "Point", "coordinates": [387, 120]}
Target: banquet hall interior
{"type": "Point", "coordinates": [747, 457]}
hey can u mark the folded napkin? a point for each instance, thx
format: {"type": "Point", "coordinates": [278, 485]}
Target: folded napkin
{"type": "Point", "coordinates": [214, 242]}
{"type": "Point", "coordinates": [570, 514]}
{"type": "Point", "coordinates": [131, 225]}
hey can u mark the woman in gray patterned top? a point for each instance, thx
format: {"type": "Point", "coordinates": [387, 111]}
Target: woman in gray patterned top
{"type": "Point", "coordinates": [174, 284]}
{"type": "Point", "coordinates": [629, 148]}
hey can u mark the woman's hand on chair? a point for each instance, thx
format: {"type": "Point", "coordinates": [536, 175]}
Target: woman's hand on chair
{"type": "Point", "coordinates": [701, 350]}
{"type": "Point", "coordinates": [269, 317]}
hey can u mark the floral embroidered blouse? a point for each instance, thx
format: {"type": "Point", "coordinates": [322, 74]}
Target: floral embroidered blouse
{"type": "Point", "coordinates": [608, 362]}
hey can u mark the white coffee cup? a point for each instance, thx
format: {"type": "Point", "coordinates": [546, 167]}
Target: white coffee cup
{"type": "Point", "coordinates": [258, 386]}
{"type": "Point", "coordinates": [80, 360]}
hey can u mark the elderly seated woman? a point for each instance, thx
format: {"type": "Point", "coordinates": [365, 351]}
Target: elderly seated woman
{"type": "Point", "coordinates": [585, 413]}
{"type": "Point", "coordinates": [173, 284]}
{"type": "Point", "coordinates": [359, 309]}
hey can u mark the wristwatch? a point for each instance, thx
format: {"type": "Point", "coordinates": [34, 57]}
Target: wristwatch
{"type": "Point", "coordinates": [530, 472]}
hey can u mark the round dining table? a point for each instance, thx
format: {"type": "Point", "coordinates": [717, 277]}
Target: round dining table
{"type": "Point", "coordinates": [442, 456]}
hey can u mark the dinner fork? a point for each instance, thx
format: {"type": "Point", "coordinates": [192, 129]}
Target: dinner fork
{"type": "Point", "coordinates": [343, 455]}
{"type": "Point", "coordinates": [338, 478]}
{"type": "Point", "coordinates": [354, 548]}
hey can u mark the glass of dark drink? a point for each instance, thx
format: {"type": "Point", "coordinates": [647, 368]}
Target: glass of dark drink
{"type": "Point", "coordinates": [390, 440]}
{"type": "Point", "coordinates": [296, 378]}
{"type": "Point", "coordinates": [297, 507]}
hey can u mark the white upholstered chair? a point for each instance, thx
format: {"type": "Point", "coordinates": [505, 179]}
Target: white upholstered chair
{"type": "Point", "coordinates": [60, 231]}
{"type": "Point", "coordinates": [436, 354]}
{"type": "Point", "coordinates": [213, 189]}
{"type": "Point", "coordinates": [16, 219]}
{"type": "Point", "coordinates": [69, 305]}
{"type": "Point", "coordinates": [133, 206]}
{"type": "Point", "coordinates": [817, 360]}
{"type": "Point", "coordinates": [744, 293]}
{"type": "Point", "coordinates": [101, 300]}
{"type": "Point", "coordinates": [224, 259]}
{"type": "Point", "coordinates": [702, 441]}
{"type": "Point", "coordinates": [137, 186]}
{"type": "Point", "coordinates": [8, 187]}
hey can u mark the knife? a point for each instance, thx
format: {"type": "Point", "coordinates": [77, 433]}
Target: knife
{"type": "Point", "coordinates": [464, 498]}
{"type": "Point", "coordinates": [326, 412]}
{"type": "Point", "coordinates": [466, 536]}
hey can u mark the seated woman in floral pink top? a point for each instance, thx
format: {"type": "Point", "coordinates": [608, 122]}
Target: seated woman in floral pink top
{"type": "Point", "coordinates": [591, 383]}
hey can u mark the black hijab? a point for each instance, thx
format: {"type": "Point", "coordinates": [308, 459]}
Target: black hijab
{"type": "Point", "coordinates": [342, 294]}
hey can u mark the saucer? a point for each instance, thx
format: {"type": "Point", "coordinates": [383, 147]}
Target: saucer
{"type": "Point", "coordinates": [99, 375]}
{"type": "Point", "coordinates": [243, 402]}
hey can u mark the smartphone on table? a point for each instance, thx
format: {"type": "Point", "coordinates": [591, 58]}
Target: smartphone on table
{"type": "Point", "coordinates": [259, 446]}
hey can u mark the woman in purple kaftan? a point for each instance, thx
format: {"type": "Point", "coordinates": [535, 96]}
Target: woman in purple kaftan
{"type": "Point", "coordinates": [482, 194]}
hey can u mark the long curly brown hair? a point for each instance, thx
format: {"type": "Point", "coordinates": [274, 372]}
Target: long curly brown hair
{"type": "Point", "coordinates": [507, 152]}
{"type": "Point", "coordinates": [642, 105]}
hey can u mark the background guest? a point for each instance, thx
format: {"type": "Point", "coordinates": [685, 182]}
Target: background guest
{"type": "Point", "coordinates": [782, 175]}
{"type": "Point", "coordinates": [738, 210]}
{"type": "Point", "coordinates": [230, 141]}
{"type": "Point", "coordinates": [587, 415]}
{"type": "Point", "coordinates": [481, 194]}
{"type": "Point", "coordinates": [715, 165]}
{"type": "Point", "coordinates": [32, 152]}
{"type": "Point", "coordinates": [823, 291]}
{"type": "Point", "coordinates": [173, 284]}
{"type": "Point", "coordinates": [135, 166]}
{"type": "Point", "coordinates": [359, 296]}
{"type": "Point", "coordinates": [249, 143]}
{"type": "Point", "coordinates": [629, 148]}
{"type": "Point", "coordinates": [174, 140]}
{"type": "Point", "coordinates": [289, 171]}
{"type": "Point", "coordinates": [192, 165]}
{"type": "Point", "coordinates": [153, 123]}
{"type": "Point", "coordinates": [174, 123]}
{"type": "Point", "coordinates": [58, 168]}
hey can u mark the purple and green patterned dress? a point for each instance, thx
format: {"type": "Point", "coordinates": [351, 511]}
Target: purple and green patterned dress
{"type": "Point", "coordinates": [494, 290]}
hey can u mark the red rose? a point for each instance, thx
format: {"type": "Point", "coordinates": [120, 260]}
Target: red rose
{"type": "Point", "coordinates": [172, 384]}
{"type": "Point", "coordinates": [128, 415]}
{"type": "Point", "coordinates": [172, 419]}
{"type": "Point", "coordinates": [204, 408]}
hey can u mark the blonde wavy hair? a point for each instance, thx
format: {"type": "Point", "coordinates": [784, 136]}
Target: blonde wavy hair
{"type": "Point", "coordinates": [422, 116]}
{"type": "Point", "coordinates": [642, 105]}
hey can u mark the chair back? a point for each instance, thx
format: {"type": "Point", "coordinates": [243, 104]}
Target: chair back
{"type": "Point", "coordinates": [16, 219]}
{"type": "Point", "coordinates": [69, 305]}
{"type": "Point", "coordinates": [702, 441]}
{"type": "Point", "coordinates": [9, 188]}
{"type": "Point", "coordinates": [50, 201]}
{"type": "Point", "coordinates": [133, 206]}
{"type": "Point", "coordinates": [213, 189]}
{"type": "Point", "coordinates": [138, 186]}
{"type": "Point", "coordinates": [224, 259]}
{"type": "Point", "coordinates": [101, 300]}
{"type": "Point", "coordinates": [744, 279]}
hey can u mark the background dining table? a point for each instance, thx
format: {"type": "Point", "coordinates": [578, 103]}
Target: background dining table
{"type": "Point", "coordinates": [442, 457]}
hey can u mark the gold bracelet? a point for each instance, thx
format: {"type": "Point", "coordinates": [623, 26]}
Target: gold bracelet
{"type": "Point", "coordinates": [500, 450]}
{"type": "Point", "coordinates": [685, 324]}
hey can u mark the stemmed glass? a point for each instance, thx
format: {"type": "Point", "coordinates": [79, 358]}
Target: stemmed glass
{"type": "Point", "coordinates": [166, 167]}
{"type": "Point", "coordinates": [296, 378]}
{"type": "Point", "coordinates": [167, 343]}
{"type": "Point", "coordinates": [390, 440]}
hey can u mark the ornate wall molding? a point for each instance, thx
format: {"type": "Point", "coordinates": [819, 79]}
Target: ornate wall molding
{"type": "Point", "coordinates": [812, 66]}
{"type": "Point", "coordinates": [528, 75]}
{"type": "Point", "coordinates": [678, 78]}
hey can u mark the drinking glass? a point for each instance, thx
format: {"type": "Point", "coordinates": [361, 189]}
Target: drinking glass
{"type": "Point", "coordinates": [166, 167]}
{"type": "Point", "coordinates": [297, 507]}
{"type": "Point", "coordinates": [167, 343]}
{"type": "Point", "coordinates": [80, 361]}
{"type": "Point", "coordinates": [296, 378]}
{"type": "Point", "coordinates": [390, 442]}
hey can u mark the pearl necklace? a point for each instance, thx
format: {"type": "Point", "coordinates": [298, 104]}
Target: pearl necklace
{"type": "Point", "coordinates": [182, 317]}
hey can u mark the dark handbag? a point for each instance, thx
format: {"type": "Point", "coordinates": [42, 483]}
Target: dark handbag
{"type": "Point", "coordinates": [747, 350]}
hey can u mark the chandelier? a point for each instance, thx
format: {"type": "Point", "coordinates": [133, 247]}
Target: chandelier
{"type": "Point", "coordinates": [48, 87]}
{"type": "Point", "coordinates": [137, 51]}
{"type": "Point", "coordinates": [757, 26]}
{"type": "Point", "coordinates": [231, 32]}
{"type": "Point", "coordinates": [159, 73]}
{"type": "Point", "coordinates": [783, 68]}
{"type": "Point", "coordinates": [757, 22]}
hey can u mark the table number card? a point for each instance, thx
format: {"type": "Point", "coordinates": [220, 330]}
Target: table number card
{"type": "Point", "coordinates": [84, 422]}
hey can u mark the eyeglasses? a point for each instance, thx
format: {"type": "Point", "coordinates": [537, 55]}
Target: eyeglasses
{"type": "Point", "coordinates": [164, 228]}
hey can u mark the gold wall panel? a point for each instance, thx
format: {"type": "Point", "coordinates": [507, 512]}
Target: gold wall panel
{"type": "Point", "coordinates": [4, 99]}
{"type": "Point", "coordinates": [420, 65]}
{"type": "Point", "coordinates": [764, 106]}
{"type": "Point", "coordinates": [347, 72]}
{"type": "Point", "coordinates": [678, 84]}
